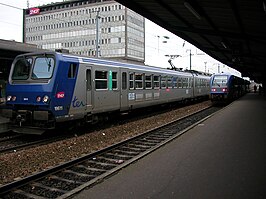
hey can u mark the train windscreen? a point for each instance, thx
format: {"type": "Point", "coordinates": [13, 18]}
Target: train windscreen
{"type": "Point", "coordinates": [220, 81]}
{"type": "Point", "coordinates": [38, 67]}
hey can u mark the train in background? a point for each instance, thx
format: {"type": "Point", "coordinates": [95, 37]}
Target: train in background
{"type": "Point", "coordinates": [45, 90]}
{"type": "Point", "coordinates": [227, 87]}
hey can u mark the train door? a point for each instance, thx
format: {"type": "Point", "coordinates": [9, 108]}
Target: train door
{"type": "Point", "coordinates": [124, 90]}
{"type": "Point", "coordinates": [88, 89]}
{"type": "Point", "coordinates": [193, 85]}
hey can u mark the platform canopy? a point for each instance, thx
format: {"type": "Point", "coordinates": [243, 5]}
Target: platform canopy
{"type": "Point", "coordinates": [233, 32]}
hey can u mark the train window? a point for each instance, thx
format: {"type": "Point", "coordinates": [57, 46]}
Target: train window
{"type": "Point", "coordinates": [148, 82]}
{"type": "Point", "coordinates": [170, 82]}
{"type": "Point", "coordinates": [163, 82]}
{"type": "Point", "coordinates": [124, 80]}
{"type": "Point", "coordinates": [72, 71]}
{"type": "Point", "coordinates": [185, 82]}
{"type": "Point", "coordinates": [204, 83]}
{"type": "Point", "coordinates": [174, 82]}
{"type": "Point", "coordinates": [190, 82]}
{"type": "Point", "coordinates": [156, 82]}
{"type": "Point", "coordinates": [139, 81]}
{"type": "Point", "coordinates": [179, 82]}
{"type": "Point", "coordinates": [114, 80]}
{"type": "Point", "coordinates": [100, 80]}
{"type": "Point", "coordinates": [88, 79]}
{"type": "Point", "coordinates": [21, 69]}
{"type": "Point", "coordinates": [131, 81]}
{"type": "Point", "coordinates": [43, 68]}
{"type": "Point", "coordinates": [196, 83]}
{"type": "Point", "coordinates": [219, 80]}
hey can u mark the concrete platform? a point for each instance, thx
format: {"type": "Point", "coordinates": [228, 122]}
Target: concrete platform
{"type": "Point", "coordinates": [224, 157]}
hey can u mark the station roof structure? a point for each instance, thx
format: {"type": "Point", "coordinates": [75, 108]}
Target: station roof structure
{"type": "Point", "coordinates": [9, 49]}
{"type": "Point", "coordinates": [232, 32]}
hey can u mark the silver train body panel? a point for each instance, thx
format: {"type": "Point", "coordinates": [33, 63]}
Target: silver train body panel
{"type": "Point", "coordinates": [88, 101]}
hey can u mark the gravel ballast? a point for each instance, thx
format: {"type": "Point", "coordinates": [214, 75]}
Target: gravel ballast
{"type": "Point", "coordinates": [26, 162]}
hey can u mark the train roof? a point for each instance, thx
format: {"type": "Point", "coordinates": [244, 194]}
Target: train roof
{"type": "Point", "coordinates": [104, 62]}
{"type": "Point", "coordinates": [221, 74]}
{"type": "Point", "coordinates": [225, 74]}
{"type": "Point", "coordinates": [100, 61]}
{"type": "Point", "coordinates": [230, 76]}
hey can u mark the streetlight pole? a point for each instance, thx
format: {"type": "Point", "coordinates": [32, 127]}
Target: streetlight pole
{"type": "Point", "coordinates": [97, 33]}
{"type": "Point", "coordinates": [97, 47]}
{"type": "Point", "coordinates": [158, 43]}
{"type": "Point", "coordinates": [189, 58]}
{"type": "Point", "coordinates": [205, 65]}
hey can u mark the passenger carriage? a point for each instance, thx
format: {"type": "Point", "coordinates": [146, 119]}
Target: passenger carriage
{"type": "Point", "coordinates": [45, 89]}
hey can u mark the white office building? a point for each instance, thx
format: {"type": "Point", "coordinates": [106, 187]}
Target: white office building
{"type": "Point", "coordinates": [76, 25]}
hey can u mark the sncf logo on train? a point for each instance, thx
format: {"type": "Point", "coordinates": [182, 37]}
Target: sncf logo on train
{"type": "Point", "coordinates": [60, 95]}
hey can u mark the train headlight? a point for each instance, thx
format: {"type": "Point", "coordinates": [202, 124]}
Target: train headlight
{"type": "Point", "coordinates": [14, 98]}
{"type": "Point", "coordinates": [45, 99]}
{"type": "Point", "coordinates": [224, 90]}
{"type": "Point", "coordinates": [8, 98]}
{"type": "Point", "coordinates": [38, 99]}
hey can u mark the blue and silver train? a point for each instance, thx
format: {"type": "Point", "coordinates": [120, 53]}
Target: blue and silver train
{"type": "Point", "coordinates": [47, 89]}
{"type": "Point", "coordinates": [227, 87]}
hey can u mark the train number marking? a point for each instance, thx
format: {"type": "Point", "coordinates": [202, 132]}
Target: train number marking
{"type": "Point", "coordinates": [58, 108]}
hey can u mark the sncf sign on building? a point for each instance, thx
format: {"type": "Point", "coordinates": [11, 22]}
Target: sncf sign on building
{"type": "Point", "coordinates": [34, 11]}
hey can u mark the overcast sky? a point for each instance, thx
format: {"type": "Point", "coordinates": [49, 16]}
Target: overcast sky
{"type": "Point", "coordinates": [157, 46]}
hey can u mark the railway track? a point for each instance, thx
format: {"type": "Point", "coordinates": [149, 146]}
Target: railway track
{"type": "Point", "coordinates": [11, 141]}
{"type": "Point", "coordinates": [17, 142]}
{"type": "Point", "coordinates": [67, 179]}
